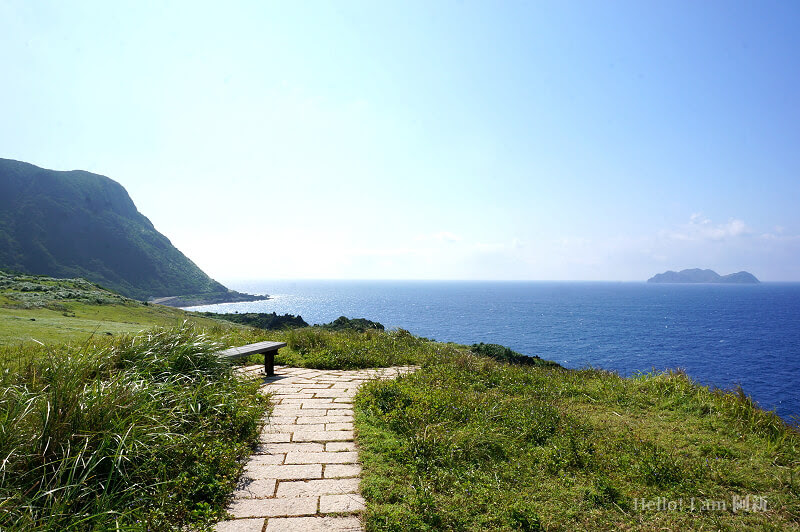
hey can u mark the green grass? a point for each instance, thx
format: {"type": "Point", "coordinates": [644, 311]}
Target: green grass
{"type": "Point", "coordinates": [467, 443]}
{"type": "Point", "coordinates": [55, 311]}
{"type": "Point", "coordinates": [315, 347]}
{"type": "Point", "coordinates": [76, 322]}
{"type": "Point", "coordinates": [142, 432]}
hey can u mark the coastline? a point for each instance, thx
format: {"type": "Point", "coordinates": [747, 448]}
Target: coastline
{"type": "Point", "coordinates": [194, 300]}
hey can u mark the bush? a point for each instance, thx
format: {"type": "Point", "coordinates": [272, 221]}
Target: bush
{"type": "Point", "coordinates": [343, 323]}
{"type": "Point", "coordinates": [262, 320]}
{"type": "Point", "coordinates": [502, 353]}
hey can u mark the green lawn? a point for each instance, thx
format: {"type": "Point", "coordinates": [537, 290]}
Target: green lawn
{"type": "Point", "coordinates": [54, 311]}
{"type": "Point", "coordinates": [77, 322]}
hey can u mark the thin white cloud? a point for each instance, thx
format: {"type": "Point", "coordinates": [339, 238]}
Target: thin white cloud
{"type": "Point", "coordinates": [701, 228]}
{"type": "Point", "coordinates": [780, 237]}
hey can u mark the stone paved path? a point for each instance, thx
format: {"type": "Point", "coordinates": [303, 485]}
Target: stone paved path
{"type": "Point", "coordinates": [306, 466]}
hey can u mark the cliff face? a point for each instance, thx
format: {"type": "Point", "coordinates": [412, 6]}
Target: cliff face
{"type": "Point", "coordinates": [79, 224]}
{"type": "Point", "coordinates": [697, 275]}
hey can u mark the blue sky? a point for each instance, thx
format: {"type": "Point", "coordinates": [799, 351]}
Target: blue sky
{"type": "Point", "coordinates": [426, 140]}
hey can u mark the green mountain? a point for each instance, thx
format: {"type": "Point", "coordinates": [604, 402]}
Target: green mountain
{"type": "Point", "coordinates": [697, 275]}
{"type": "Point", "coordinates": [79, 224]}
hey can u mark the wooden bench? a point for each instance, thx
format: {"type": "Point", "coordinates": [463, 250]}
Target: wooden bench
{"type": "Point", "coordinates": [268, 348]}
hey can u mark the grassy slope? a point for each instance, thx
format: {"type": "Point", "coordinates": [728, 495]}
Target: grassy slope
{"type": "Point", "coordinates": [79, 321]}
{"type": "Point", "coordinates": [470, 444]}
{"type": "Point", "coordinates": [55, 311]}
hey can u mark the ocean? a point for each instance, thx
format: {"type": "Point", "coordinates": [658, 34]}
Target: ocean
{"type": "Point", "coordinates": [721, 335]}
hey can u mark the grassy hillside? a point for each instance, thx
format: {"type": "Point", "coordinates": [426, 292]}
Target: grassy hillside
{"type": "Point", "coordinates": [79, 224]}
{"type": "Point", "coordinates": [52, 311]}
{"type": "Point", "coordinates": [467, 443]}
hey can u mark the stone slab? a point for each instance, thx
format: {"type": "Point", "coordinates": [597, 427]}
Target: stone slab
{"type": "Point", "coordinates": [333, 393]}
{"type": "Point", "coordinates": [315, 488]}
{"type": "Point", "coordinates": [313, 420]}
{"type": "Point", "coordinates": [328, 406]}
{"type": "Point", "coordinates": [338, 426]}
{"type": "Point", "coordinates": [265, 459]}
{"type": "Point", "coordinates": [324, 435]}
{"type": "Point", "coordinates": [284, 472]}
{"type": "Point", "coordinates": [314, 524]}
{"type": "Point", "coordinates": [293, 427]}
{"type": "Point", "coordinates": [345, 457]}
{"type": "Point", "coordinates": [258, 488]}
{"type": "Point", "coordinates": [336, 446]}
{"type": "Point", "coordinates": [274, 507]}
{"type": "Point", "coordinates": [323, 402]}
{"type": "Point", "coordinates": [240, 525]}
{"type": "Point", "coordinates": [329, 504]}
{"type": "Point", "coordinates": [283, 448]}
{"type": "Point", "coordinates": [342, 470]}
{"type": "Point", "coordinates": [275, 437]}
{"type": "Point", "coordinates": [281, 420]}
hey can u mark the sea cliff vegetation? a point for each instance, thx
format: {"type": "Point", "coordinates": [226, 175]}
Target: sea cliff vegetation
{"type": "Point", "coordinates": [261, 320]}
{"type": "Point", "coordinates": [145, 431]}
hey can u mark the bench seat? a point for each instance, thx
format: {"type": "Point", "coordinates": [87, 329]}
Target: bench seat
{"type": "Point", "coordinates": [268, 348]}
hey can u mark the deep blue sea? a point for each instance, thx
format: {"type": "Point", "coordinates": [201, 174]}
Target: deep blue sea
{"type": "Point", "coordinates": [721, 335]}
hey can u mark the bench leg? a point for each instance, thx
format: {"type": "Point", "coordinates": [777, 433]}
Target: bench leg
{"type": "Point", "coordinates": [269, 363]}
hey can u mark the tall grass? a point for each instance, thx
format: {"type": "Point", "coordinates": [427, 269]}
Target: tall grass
{"type": "Point", "coordinates": [144, 432]}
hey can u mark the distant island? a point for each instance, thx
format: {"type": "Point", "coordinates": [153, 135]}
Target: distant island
{"type": "Point", "coordinates": [696, 275]}
{"type": "Point", "coordinates": [82, 225]}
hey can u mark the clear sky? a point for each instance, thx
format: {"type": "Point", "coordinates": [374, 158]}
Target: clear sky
{"type": "Point", "coordinates": [426, 140]}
